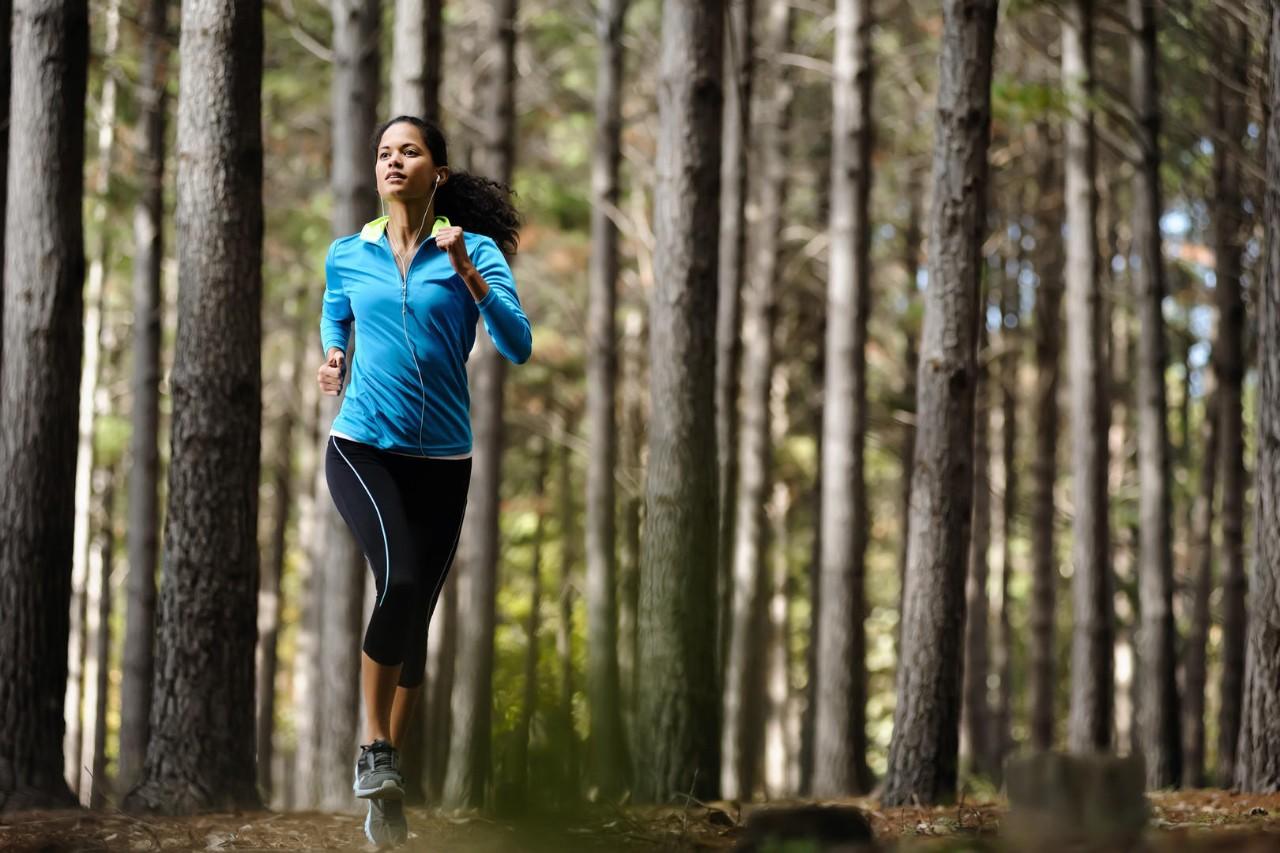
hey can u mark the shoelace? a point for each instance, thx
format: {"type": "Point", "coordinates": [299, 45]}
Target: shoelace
{"type": "Point", "coordinates": [381, 755]}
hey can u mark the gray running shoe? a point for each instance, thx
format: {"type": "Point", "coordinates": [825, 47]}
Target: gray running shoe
{"type": "Point", "coordinates": [378, 772]}
{"type": "Point", "coordinates": [385, 824]}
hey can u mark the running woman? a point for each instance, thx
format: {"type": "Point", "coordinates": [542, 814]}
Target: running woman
{"type": "Point", "coordinates": [414, 283]}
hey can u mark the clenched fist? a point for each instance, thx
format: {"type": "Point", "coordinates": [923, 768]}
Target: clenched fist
{"type": "Point", "coordinates": [332, 373]}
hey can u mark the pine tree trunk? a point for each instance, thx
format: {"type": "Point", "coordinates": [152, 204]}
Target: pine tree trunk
{"type": "Point", "coordinates": [356, 28]}
{"type": "Point", "coordinates": [144, 451]}
{"type": "Point", "coordinates": [200, 756]}
{"type": "Point", "coordinates": [529, 704]}
{"type": "Point", "coordinates": [742, 736]}
{"type": "Point", "coordinates": [417, 58]}
{"type": "Point", "coordinates": [1089, 723]}
{"type": "Point", "coordinates": [609, 762]}
{"type": "Point", "coordinates": [568, 735]}
{"type": "Point", "coordinates": [1258, 755]}
{"type": "Point", "coordinates": [1229, 370]}
{"type": "Point", "coordinates": [270, 603]}
{"type": "Point", "coordinates": [1158, 698]}
{"type": "Point", "coordinates": [631, 443]}
{"type": "Point", "coordinates": [840, 738]}
{"type": "Point", "coordinates": [735, 143]}
{"type": "Point", "coordinates": [976, 712]}
{"type": "Point", "coordinates": [1201, 564]}
{"type": "Point", "coordinates": [472, 699]}
{"type": "Point", "coordinates": [95, 783]}
{"type": "Point", "coordinates": [1001, 737]}
{"type": "Point", "coordinates": [39, 382]}
{"type": "Point", "coordinates": [922, 753]}
{"type": "Point", "coordinates": [779, 757]}
{"type": "Point", "coordinates": [1044, 468]}
{"type": "Point", "coordinates": [912, 239]}
{"type": "Point", "coordinates": [6, 69]}
{"type": "Point", "coordinates": [679, 701]}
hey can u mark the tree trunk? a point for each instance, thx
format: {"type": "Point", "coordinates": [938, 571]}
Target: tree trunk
{"type": "Point", "coordinates": [1229, 369]}
{"type": "Point", "coordinates": [6, 69]}
{"type": "Point", "coordinates": [609, 762]}
{"type": "Point", "coordinates": [739, 66]}
{"type": "Point", "coordinates": [1258, 754]}
{"type": "Point", "coordinates": [631, 443]}
{"type": "Point", "coordinates": [529, 704]}
{"type": "Point", "coordinates": [840, 737]}
{"type": "Point", "coordinates": [922, 753]}
{"type": "Point", "coordinates": [912, 239]}
{"type": "Point", "coordinates": [742, 738]}
{"type": "Point", "coordinates": [144, 451]}
{"type": "Point", "coordinates": [94, 782]}
{"type": "Point", "coordinates": [200, 756]}
{"type": "Point", "coordinates": [1001, 738]}
{"type": "Point", "coordinates": [779, 753]}
{"type": "Point", "coordinates": [1044, 468]}
{"type": "Point", "coordinates": [39, 382]}
{"type": "Point", "coordinates": [356, 59]}
{"type": "Point", "coordinates": [270, 603]}
{"type": "Point", "coordinates": [679, 702]}
{"type": "Point", "coordinates": [478, 576]}
{"type": "Point", "coordinates": [417, 58]}
{"type": "Point", "coordinates": [976, 711]}
{"type": "Point", "coordinates": [571, 782]}
{"type": "Point", "coordinates": [1201, 564]}
{"type": "Point", "coordinates": [1158, 700]}
{"type": "Point", "coordinates": [1089, 723]}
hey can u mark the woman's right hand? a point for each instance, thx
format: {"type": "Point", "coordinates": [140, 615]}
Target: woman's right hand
{"type": "Point", "coordinates": [333, 372]}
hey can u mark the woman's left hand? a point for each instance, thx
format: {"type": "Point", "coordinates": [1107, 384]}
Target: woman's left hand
{"type": "Point", "coordinates": [450, 240]}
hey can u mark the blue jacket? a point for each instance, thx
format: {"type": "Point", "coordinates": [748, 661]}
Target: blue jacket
{"type": "Point", "coordinates": [408, 391]}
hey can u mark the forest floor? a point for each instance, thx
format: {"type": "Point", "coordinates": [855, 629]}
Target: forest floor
{"type": "Point", "coordinates": [1184, 821]}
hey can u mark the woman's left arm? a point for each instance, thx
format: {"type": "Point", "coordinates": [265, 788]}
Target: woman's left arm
{"type": "Point", "coordinates": [488, 277]}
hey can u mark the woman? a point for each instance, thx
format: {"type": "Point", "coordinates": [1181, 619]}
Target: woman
{"type": "Point", "coordinates": [398, 460]}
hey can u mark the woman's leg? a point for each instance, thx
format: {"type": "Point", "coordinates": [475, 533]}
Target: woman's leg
{"type": "Point", "coordinates": [402, 711]}
{"type": "Point", "coordinates": [363, 482]}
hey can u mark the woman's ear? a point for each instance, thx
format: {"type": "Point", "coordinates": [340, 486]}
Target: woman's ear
{"type": "Point", "coordinates": [442, 176]}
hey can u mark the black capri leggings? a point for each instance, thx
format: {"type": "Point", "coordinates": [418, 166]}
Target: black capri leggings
{"type": "Point", "coordinates": [406, 512]}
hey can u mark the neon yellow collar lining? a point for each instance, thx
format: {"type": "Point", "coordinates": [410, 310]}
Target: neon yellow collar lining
{"type": "Point", "coordinates": [372, 231]}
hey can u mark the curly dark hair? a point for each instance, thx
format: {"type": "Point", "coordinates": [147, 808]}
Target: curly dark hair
{"type": "Point", "coordinates": [472, 202]}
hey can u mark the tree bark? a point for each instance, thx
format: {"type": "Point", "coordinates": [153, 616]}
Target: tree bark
{"type": "Point", "coordinates": [200, 756]}
{"type": "Point", "coordinates": [478, 575]}
{"type": "Point", "coordinates": [976, 711]}
{"type": "Point", "coordinates": [417, 55]}
{"type": "Point", "coordinates": [94, 784]}
{"type": "Point", "coordinates": [39, 383]}
{"type": "Point", "coordinates": [6, 69]}
{"type": "Point", "coordinates": [1158, 698]}
{"type": "Point", "coordinates": [679, 700]}
{"type": "Point", "coordinates": [1089, 723]}
{"type": "Point", "coordinates": [1229, 369]}
{"type": "Point", "coordinates": [1258, 753]}
{"type": "Point", "coordinates": [922, 753]}
{"type": "Point", "coordinates": [607, 742]}
{"type": "Point", "coordinates": [356, 28]}
{"type": "Point", "coordinates": [840, 738]}
{"type": "Point", "coordinates": [144, 451]}
{"type": "Point", "coordinates": [1044, 468]}
{"type": "Point", "coordinates": [742, 736]}
{"type": "Point", "coordinates": [529, 703]}
{"type": "Point", "coordinates": [739, 66]}
{"type": "Point", "coordinates": [270, 603]}
{"type": "Point", "coordinates": [1201, 564]}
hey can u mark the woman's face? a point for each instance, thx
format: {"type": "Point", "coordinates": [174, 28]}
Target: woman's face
{"type": "Point", "coordinates": [404, 166]}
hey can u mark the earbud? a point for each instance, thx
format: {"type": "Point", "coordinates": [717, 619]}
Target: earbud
{"type": "Point", "coordinates": [437, 177]}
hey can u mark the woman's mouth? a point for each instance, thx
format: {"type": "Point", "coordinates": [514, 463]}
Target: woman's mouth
{"type": "Point", "coordinates": [394, 176]}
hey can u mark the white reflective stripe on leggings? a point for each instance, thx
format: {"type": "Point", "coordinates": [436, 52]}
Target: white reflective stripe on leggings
{"type": "Point", "coordinates": [386, 577]}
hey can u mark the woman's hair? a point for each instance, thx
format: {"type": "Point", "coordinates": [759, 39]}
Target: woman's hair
{"type": "Point", "coordinates": [471, 202]}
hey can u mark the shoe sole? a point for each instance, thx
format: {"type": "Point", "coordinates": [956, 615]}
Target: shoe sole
{"type": "Point", "coordinates": [389, 790]}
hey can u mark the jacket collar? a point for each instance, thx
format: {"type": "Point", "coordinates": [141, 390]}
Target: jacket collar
{"type": "Point", "coordinates": [372, 231]}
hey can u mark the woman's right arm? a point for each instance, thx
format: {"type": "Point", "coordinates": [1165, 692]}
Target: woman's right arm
{"type": "Point", "coordinates": [335, 329]}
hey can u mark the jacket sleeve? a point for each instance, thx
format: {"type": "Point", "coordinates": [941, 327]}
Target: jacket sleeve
{"type": "Point", "coordinates": [500, 309]}
{"type": "Point", "coordinates": [335, 315]}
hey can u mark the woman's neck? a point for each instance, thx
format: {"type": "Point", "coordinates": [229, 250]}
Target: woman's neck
{"type": "Point", "coordinates": [410, 222]}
